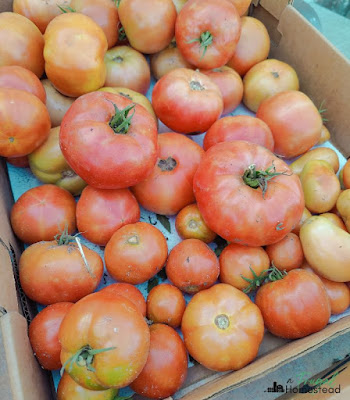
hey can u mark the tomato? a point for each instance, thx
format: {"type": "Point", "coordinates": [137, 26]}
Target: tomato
{"type": "Point", "coordinates": [128, 68]}
{"type": "Point", "coordinates": [24, 120]}
{"type": "Point", "coordinates": [239, 127]}
{"type": "Point", "coordinates": [102, 212]}
{"type": "Point", "coordinates": [23, 43]}
{"type": "Point", "coordinates": [346, 175]}
{"type": "Point", "coordinates": [266, 79]}
{"type": "Point", "coordinates": [130, 292]}
{"type": "Point", "coordinates": [21, 162]}
{"type": "Point", "coordinates": [16, 77]}
{"type": "Point", "coordinates": [241, 5]}
{"type": "Point", "coordinates": [294, 121]}
{"type": "Point", "coordinates": [51, 272]}
{"type": "Point", "coordinates": [166, 367]}
{"type": "Point", "coordinates": [68, 389]}
{"type": "Point", "coordinates": [253, 46]}
{"type": "Point", "coordinates": [113, 341]}
{"type": "Point", "coordinates": [49, 166]}
{"type": "Point", "coordinates": [169, 187]}
{"type": "Point", "coordinates": [190, 224]}
{"type": "Point", "coordinates": [135, 253]}
{"type": "Point", "coordinates": [43, 335]}
{"type": "Point", "coordinates": [306, 214]}
{"type": "Point", "coordinates": [320, 153]}
{"type": "Point", "coordinates": [117, 154]}
{"type": "Point", "coordinates": [67, 37]}
{"type": "Point", "coordinates": [179, 4]}
{"type": "Point", "coordinates": [295, 305]}
{"type": "Point", "coordinates": [104, 13]}
{"type": "Point", "coordinates": [237, 264]}
{"type": "Point", "coordinates": [325, 135]}
{"type": "Point", "coordinates": [187, 101]}
{"type": "Point", "coordinates": [192, 266]}
{"type": "Point", "coordinates": [335, 219]}
{"type": "Point", "coordinates": [157, 27]}
{"type": "Point", "coordinates": [166, 304]}
{"type": "Point", "coordinates": [42, 212]}
{"type": "Point", "coordinates": [222, 328]}
{"type": "Point", "coordinates": [230, 85]}
{"type": "Point", "coordinates": [207, 32]}
{"type": "Point", "coordinates": [343, 207]}
{"type": "Point", "coordinates": [223, 197]}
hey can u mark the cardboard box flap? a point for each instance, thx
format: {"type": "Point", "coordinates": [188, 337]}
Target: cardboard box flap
{"type": "Point", "coordinates": [274, 7]}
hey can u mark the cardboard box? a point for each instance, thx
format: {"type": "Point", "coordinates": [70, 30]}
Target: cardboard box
{"type": "Point", "coordinates": [324, 76]}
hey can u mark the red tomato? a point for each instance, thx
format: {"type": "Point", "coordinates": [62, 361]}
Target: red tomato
{"type": "Point", "coordinates": [230, 85]}
{"type": "Point", "coordinates": [187, 101]}
{"type": "Point", "coordinates": [192, 266]}
{"type": "Point", "coordinates": [166, 304]}
{"type": "Point", "coordinates": [101, 212]}
{"type": "Point", "coordinates": [103, 149]}
{"type": "Point", "coordinates": [223, 197]}
{"type": "Point", "coordinates": [294, 306]}
{"type": "Point", "coordinates": [169, 187]}
{"type": "Point", "coordinates": [207, 32]}
{"type": "Point", "coordinates": [239, 127]}
{"type": "Point", "coordinates": [113, 340]}
{"type": "Point", "coordinates": [135, 253]}
{"type": "Point", "coordinates": [22, 43]}
{"type": "Point", "coordinates": [43, 335]}
{"type": "Point", "coordinates": [21, 162]}
{"type": "Point", "coordinates": [42, 212]}
{"type": "Point", "coordinates": [294, 121]}
{"type": "Point", "coordinates": [222, 328]}
{"type": "Point", "coordinates": [166, 367]}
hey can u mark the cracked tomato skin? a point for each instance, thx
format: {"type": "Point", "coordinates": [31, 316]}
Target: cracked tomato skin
{"type": "Point", "coordinates": [236, 211]}
{"type": "Point", "coordinates": [101, 157]}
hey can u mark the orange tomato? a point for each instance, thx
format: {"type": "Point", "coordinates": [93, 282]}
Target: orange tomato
{"type": "Point", "coordinates": [306, 214]}
{"type": "Point", "coordinates": [241, 5]}
{"type": "Point", "coordinates": [346, 175]}
{"type": "Point", "coordinates": [325, 135]}
{"type": "Point", "coordinates": [335, 219]}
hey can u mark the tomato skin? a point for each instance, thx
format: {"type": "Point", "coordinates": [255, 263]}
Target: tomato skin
{"type": "Point", "coordinates": [108, 160]}
{"type": "Point", "coordinates": [343, 207]}
{"type": "Point", "coordinates": [346, 175]}
{"type": "Point", "coordinates": [320, 153]}
{"type": "Point", "coordinates": [42, 212]}
{"type": "Point", "coordinates": [295, 306]}
{"type": "Point", "coordinates": [70, 73]}
{"type": "Point", "coordinates": [325, 135]}
{"type": "Point", "coordinates": [43, 334]}
{"type": "Point", "coordinates": [223, 198]}
{"type": "Point", "coordinates": [180, 97]}
{"type": "Point", "coordinates": [239, 127]}
{"type": "Point", "coordinates": [135, 253]}
{"type": "Point", "coordinates": [101, 212]}
{"type": "Point", "coordinates": [241, 5]}
{"type": "Point", "coordinates": [21, 162]}
{"type": "Point", "coordinates": [169, 187]}
{"type": "Point", "coordinates": [335, 219]}
{"type": "Point", "coordinates": [179, 4]}
{"type": "Point", "coordinates": [166, 304]}
{"type": "Point", "coordinates": [220, 349]}
{"type": "Point", "coordinates": [192, 266]}
{"type": "Point", "coordinates": [306, 214]}
{"type": "Point", "coordinates": [221, 19]}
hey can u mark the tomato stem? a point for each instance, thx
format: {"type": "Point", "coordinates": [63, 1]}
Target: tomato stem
{"type": "Point", "coordinates": [66, 9]}
{"type": "Point", "coordinates": [121, 120]}
{"type": "Point", "coordinates": [222, 321]}
{"type": "Point", "coordinates": [274, 274]}
{"type": "Point", "coordinates": [205, 40]}
{"type": "Point", "coordinates": [121, 33]}
{"type": "Point", "coordinates": [256, 282]}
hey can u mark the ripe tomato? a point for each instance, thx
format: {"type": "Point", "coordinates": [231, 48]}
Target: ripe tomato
{"type": "Point", "coordinates": [335, 219]}
{"type": "Point", "coordinates": [190, 224]}
{"type": "Point", "coordinates": [346, 175]}
{"type": "Point", "coordinates": [166, 304]}
{"type": "Point", "coordinates": [306, 214]}
{"type": "Point", "coordinates": [230, 85]}
{"type": "Point", "coordinates": [24, 120]}
{"type": "Point", "coordinates": [22, 43]}
{"type": "Point", "coordinates": [319, 153]}
{"type": "Point", "coordinates": [192, 266]}
{"type": "Point", "coordinates": [115, 353]}
{"type": "Point", "coordinates": [109, 141]}
{"type": "Point", "coordinates": [325, 135]}
{"type": "Point", "coordinates": [218, 324]}
{"type": "Point", "coordinates": [51, 272]}
{"type": "Point", "coordinates": [130, 292]}
{"type": "Point", "coordinates": [169, 187]}
{"type": "Point", "coordinates": [102, 212]}
{"type": "Point", "coordinates": [295, 305]}
{"type": "Point", "coordinates": [294, 121]}
{"type": "Point", "coordinates": [207, 32]}
{"type": "Point", "coordinates": [180, 97]}
{"type": "Point", "coordinates": [238, 262]}
{"type": "Point", "coordinates": [43, 335]}
{"type": "Point", "coordinates": [223, 197]}
{"type": "Point", "coordinates": [128, 68]}
{"type": "Point", "coordinates": [166, 367]}
{"type": "Point", "coordinates": [67, 37]}
{"type": "Point", "coordinates": [21, 162]}
{"type": "Point", "coordinates": [239, 127]}
{"type": "Point", "coordinates": [42, 212]}
{"type": "Point", "coordinates": [135, 253]}
{"type": "Point", "coordinates": [253, 46]}
{"type": "Point", "coordinates": [343, 207]}
{"type": "Point", "coordinates": [157, 27]}
{"type": "Point", "coordinates": [241, 5]}
{"type": "Point", "coordinates": [266, 79]}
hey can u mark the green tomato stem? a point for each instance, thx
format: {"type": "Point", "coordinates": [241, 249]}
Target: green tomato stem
{"type": "Point", "coordinates": [121, 120]}
{"type": "Point", "coordinates": [205, 40]}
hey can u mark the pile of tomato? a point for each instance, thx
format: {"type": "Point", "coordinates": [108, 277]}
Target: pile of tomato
{"type": "Point", "coordinates": [257, 187]}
